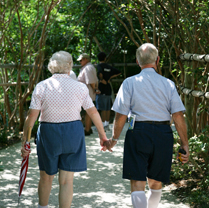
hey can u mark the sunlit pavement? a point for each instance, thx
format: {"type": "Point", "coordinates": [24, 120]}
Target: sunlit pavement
{"type": "Point", "coordinates": [101, 186]}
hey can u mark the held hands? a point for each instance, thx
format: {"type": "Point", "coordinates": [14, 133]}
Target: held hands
{"type": "Point", "coordinates": [108, 144]}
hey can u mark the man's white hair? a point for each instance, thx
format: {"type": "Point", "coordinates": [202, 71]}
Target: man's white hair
{"type": "Point", "coordinates": [60, 62]}
{"type": "Point", "coordinates": [146, 54]}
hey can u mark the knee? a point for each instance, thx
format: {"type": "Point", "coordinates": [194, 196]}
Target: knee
{"type": "Point", "coordinates": [137, 185]}
{"type": "Point", "coordinates": [66, 181]}
{"type": "Point", "coordinates": [46, 178]}
{"type": "Point", "coordinates": [153, 184]}
{"type": "Point", "coordinates": [65, 177]}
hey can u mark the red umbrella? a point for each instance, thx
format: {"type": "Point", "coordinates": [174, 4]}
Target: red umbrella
{"type": "Point", "coordinates": [24, 165]}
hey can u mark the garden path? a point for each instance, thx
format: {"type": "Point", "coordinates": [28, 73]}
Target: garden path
{"type": "Point", "coordinates": [101, 186]}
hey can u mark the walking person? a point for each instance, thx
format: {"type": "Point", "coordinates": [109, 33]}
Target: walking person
{"type": "Point", "coordinates": [151, 99]}
{"type": "Point", "coordinates": [88, 76]}
{"type": "Point", "coordinates": [103, 99]}
{"type": "Point", "coordinates": [60, 137]}
{"type": "Point", "coordinates": [73, 75]}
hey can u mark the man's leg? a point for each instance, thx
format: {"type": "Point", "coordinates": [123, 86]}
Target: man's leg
{"type": "Point", "coordinates": [107, 118]}
{"type": "Point", "coordinates": [66, 188]}
{"type": "Point", "coordinates": [44, 188]}
{"type": "Point", "coordinates": [154, 194]}
{"type": "Point", "coordinates": [88, 123]}
{"type": "Point", "coordinates": [138, 197]}
{"type": "Point", "coordinates": [103, 115]}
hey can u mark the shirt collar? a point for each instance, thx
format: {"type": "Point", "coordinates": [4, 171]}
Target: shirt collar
{"type": "Point", "coordinates": [60, 76]}
{"type": "Point", "coordinates": [89, 63]}
{"type": "Point", "coordinates": [148, 69]}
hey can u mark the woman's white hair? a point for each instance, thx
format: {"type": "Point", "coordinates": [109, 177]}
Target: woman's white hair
{"type": "Point", "coordinates": [146, 54]}
{"type": "Point", "coordinates": [60, 62]}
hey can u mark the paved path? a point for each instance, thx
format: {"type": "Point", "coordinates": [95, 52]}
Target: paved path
{"type": "Point", "coordinates": [101, 186]}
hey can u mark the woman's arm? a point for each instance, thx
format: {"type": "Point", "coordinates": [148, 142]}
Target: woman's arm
{"type": "Point", "coordinates": [29, 121]}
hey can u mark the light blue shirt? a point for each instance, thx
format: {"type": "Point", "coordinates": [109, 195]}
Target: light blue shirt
{"type": "Point", "coordinates": [149, 96]}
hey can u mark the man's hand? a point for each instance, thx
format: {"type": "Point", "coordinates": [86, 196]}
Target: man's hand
{"type": "Point", "coordinates": [181, 128]}
{"type": "Point", "coordinates": [103, 81]}
{"type": "Point", "coordinates": [98, 92]}
{"type": "Point", "coordinates": [184, 157]}
{"type": "Point", "coordinates": [109, 144]}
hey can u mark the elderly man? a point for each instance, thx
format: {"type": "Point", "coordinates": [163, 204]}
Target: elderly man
{"type": "Point", "coordinates": [150, 99]}
{"type": "Point", "coordinates": [88, 76]}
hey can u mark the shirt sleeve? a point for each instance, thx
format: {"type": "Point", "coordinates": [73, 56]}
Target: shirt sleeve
{"type": "Point", "coordinates": [90, 75]}
{"type": "Point", "coordinates": [176, 102]}
{"type": "Point", "coordinates": [123, 100]}
{"type": "Point", "coordinates": [37, 95]}
{"type": "Point", "coordinates": [114, 71]}
{"type": "Point", "coordinates": [99, 70]}
{"type": "Point", "coordinates": [87, 101]}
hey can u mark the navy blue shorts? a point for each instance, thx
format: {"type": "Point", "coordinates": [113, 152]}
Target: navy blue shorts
{"type": "Point", "coordinates": [103, 102]}
{"type": "Point", "coordinates": [61, 146]}
{"type": "Point", "coordinates": [148, 150]}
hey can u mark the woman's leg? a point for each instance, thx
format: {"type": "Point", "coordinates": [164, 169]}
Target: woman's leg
{"type": "Point", "coordinates": [66, 188]}
{"type": "Point", "coordinates": [44, 188]}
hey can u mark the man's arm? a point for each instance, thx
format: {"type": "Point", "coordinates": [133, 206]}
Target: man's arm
{"type": "Point", "coordinates": [181, 128]}
{"type": "Point", "coordinates": [93, 86]}
{"type": "Point", "coordinates": [114, 76]}
{"type": "Point", "coordinates": [118, 125]}
{"type": "Point", "coordinates": [101, 79]}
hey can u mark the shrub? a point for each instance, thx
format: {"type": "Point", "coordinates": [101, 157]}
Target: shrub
{"type": "Point", "coordinates": [195, 173]}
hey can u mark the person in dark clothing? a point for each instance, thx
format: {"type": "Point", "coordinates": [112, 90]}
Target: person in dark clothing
{"type": "Point", "coordinates": [103, 100]}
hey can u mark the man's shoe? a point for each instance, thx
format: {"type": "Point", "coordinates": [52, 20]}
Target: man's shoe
{"type": "Point", "coordinates": [87, 133]}
{"type": "Point", "coordinates": [107, 128]}
{"type": "Point", "coordinates": [94, 129]}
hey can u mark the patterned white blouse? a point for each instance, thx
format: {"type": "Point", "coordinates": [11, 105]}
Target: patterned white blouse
{"type": "Point", "coordinates": [60, 98]}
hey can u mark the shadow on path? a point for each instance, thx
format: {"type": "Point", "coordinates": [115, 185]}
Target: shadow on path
{"type": "Point", "coordinates": [101, 186]}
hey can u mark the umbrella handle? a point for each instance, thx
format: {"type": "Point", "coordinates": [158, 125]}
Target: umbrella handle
{"type": "Point", "coordinates": [29, 133]}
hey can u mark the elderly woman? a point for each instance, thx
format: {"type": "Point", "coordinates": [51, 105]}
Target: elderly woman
{"type": "Point", "coordinates": [60, 136]}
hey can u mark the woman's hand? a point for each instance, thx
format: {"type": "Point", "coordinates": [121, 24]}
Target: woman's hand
{"type": "Point", "coordinates": [102, 142]}
{"type": "Point", "coordinates": [24, 152]}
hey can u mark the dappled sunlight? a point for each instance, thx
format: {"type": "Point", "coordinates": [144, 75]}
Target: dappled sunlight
{"type": "Point", "coordinates": [100, 186]}
{"type": "Point", "coordinates": [9, 177]}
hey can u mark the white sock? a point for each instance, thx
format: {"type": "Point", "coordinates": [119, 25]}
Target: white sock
{"type": "Point", "coordinates": [139, 199]}
{"type": "Point", "coordinates": [103, 123]}
{"type": "Point", "coordinates": [154, 197]}
{"type": "Point", "coordinates": [39, 206]}
{"type": "Point", "coordinates": [106, 123]}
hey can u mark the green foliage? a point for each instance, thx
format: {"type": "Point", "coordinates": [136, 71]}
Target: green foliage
{"type": "Point", "coordinates": [3, 135]}
{"type": "Point", "coordinates": [196, 172]}
{"type": "Point", "coordinates": [180, 27]}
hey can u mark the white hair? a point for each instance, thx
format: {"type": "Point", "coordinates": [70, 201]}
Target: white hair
{"type": "Point", "coordinates": [60, 62]}
{"type": "Point", "coordinates": [146, 54]}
